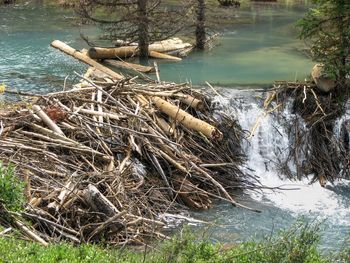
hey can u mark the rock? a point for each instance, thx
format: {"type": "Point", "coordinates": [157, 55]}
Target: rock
{"type": "Point", "coordinates": [323, 83]}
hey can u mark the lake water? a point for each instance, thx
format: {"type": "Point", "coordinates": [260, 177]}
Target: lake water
{"type": "Point", "coordinates": [255, 53]}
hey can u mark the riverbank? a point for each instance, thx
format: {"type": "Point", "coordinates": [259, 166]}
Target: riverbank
{"type": "Point", "coordinates": [297, 244]}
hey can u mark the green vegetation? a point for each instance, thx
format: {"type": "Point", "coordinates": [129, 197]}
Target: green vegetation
{"type": "Point", "coordinates": [297, 244]}
{"type": "Point", "coordinates": [11, 189]}
{"type": "Point", "coordinates": [327, 29]}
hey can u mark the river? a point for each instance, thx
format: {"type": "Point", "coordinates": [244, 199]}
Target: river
{"type": "Point", "coordinates": [253, 54]}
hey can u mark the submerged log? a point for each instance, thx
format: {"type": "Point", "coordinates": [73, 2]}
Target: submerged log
{"type": "Point", "coordinates": [155, 54]}
{"type": "Point", "coordinates": [84, 58]}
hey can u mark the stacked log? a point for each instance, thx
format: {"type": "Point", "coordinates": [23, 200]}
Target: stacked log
{"type": "Point", "coordinates": [173, 46]}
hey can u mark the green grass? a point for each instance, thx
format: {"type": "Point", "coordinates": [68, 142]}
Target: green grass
{"type": "Point", "coordinates": [297, 244]}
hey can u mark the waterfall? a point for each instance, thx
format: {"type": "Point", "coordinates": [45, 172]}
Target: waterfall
{"type": "Point", "coordinates": [270, 144]}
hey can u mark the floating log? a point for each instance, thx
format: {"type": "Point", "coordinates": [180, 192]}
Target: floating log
{"type": "Point", "coordinates": [187, 119]}
{"type": "Point", "coordinates": [155, 54]}
{"type": "Point", "coordinates": [84, 58]}
{"type": "Point", "coordinates": [174, 40]}
{"type": "Point", "coordinates": [129, 51]}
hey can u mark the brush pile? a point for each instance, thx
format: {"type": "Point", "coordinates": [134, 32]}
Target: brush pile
{"type": "Point", "coordinates": [105, 160]}
{"type": "Point", "coordinates": [319, 131]}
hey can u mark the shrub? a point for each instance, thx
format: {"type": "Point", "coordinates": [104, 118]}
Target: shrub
{"type": "Point", "coordinates": [11, 189]}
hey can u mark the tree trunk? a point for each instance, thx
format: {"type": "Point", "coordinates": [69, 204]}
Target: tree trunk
{"type": "Point", "coordinates": [84, 58]}
{"type": "Point", "coordinates": [143, 28]}
{"type": "Point", "coordinates": [200, 25]}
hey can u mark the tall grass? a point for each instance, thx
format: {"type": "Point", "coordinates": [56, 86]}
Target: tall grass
{"type": "Point", "coordinates": [294, 245]}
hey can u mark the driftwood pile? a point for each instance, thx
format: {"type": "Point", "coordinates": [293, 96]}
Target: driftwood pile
{"type": "Point", "coordinates": [105, 160]}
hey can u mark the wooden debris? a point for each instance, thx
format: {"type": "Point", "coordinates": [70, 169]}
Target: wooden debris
{"type": "Point", "coordinates": [84, 58]}
{"type": "Point", "coordinates": [128, 65]}
{"type": "Point", "coordinates": [114, 154]}
{"type": "Point", "coordinates": [155, 54]}
{"type": "Point", "coordinates": [132, 50]}
{"type": "Point", "coordinates": [187, 120]}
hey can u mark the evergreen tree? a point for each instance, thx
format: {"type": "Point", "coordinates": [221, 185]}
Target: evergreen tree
{"type": "Point", "coordinates": [326, 28]}
{"type": "Point", "coordinates": [141, 21]}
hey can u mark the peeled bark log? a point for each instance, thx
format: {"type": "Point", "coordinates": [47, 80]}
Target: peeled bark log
{"type": "Point", "coordinates": [30, 233]}
{"type": "Point", "coordinates": [112, 53]}
{"type": "Point", "coordinates": [187, 119]}
{"type": "Point", "coordinates": [191, 101]}
{"type": "Point", "coordinates": [127, 65]}
{"type": "Point", "coordinates": [46, 119]}
{"type": "Point", "coordinates": [129, 51]}
{"type": "Point", "coordinates": [155, 54]}
{"type": "Point", "coordinates": [84, 58]}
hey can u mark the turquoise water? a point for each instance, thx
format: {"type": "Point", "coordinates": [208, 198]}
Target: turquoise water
{"type": "Point", "coordinates": [258, 52]}
{"type": "Point", "coordinates": [265, 50]}
{"type": "Point", "coordinates": [26, 60]}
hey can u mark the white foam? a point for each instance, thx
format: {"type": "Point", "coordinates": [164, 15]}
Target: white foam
{"type": "Point", "coordinates": [265, 147]}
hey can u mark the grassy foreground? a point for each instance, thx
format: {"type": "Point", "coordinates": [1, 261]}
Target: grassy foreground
{"type": "Point", "coordinates": [297, 244]}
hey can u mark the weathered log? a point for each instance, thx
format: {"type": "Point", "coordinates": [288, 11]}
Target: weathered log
{"type": "Point", "coordinates": [112, 53]}
{"type": "Point", "coordinates": [30, 233]}
{"type": "Point", "coordinates": [127, 65]}
{"type": "Point", "coordinates": [174, 40]}
{"type": "Point", "coordinates": [84, 58]}
{"type": "Point", "coordinates": [46, 119]}
{"type": "Point", "coordinates": [191, 101]}
{"type": "Point", "coordinates": [155, 54]}
{"type": "Point", "coordinates": [129, 51]}
{"type": "Point", "coordinates": [187, 119]}
{"type": "Point", "coordinates": [98, 202]}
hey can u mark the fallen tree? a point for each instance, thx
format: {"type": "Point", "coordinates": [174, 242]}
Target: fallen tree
{"type": "Point", "coordinates": [174, 46]}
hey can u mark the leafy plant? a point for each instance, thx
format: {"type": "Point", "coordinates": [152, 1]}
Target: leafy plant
{"type": "Point", "coordinates": [326, 28]}
{"type": "Point", "coordinates": [11, 189]}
